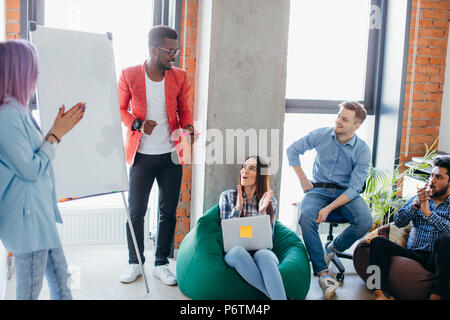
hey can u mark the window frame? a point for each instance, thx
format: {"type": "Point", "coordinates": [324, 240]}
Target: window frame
{"type": "Point", "coordinates": [372, 78]}
{"type": "Point", "coordinates": [32, 12]}
{"type": "Point", "coordinates": [168, 12]}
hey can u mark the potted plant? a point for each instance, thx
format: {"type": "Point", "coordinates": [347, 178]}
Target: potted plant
{"type": "Point", "coordinates": [383, 188]}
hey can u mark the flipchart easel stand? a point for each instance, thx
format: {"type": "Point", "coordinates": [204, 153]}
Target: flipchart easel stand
{"type": "Point", "coordinates": [133, 236]}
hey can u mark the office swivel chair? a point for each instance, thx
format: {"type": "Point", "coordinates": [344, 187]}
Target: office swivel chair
{"type": "Point", "coordinates": [334, 219]}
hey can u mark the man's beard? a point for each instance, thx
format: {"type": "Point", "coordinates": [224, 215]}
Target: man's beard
{"type": "Point", "coordinates": [439, 193]}
{"type": "Point", "coordinates": [163, 66]}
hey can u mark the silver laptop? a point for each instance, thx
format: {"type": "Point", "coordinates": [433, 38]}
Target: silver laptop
{"type": "Point", "coordinates": [252, 233]}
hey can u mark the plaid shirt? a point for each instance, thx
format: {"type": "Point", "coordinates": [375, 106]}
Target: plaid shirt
{"type": "Point", "coordinates": [425, 230]}
{"type": "Point", "coordinates": [227, 202]}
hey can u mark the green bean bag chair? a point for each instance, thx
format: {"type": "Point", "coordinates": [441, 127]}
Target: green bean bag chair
{"type": "Point", "coordinates": [203, 274]}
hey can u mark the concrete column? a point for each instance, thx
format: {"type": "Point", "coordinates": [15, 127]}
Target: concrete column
{"type": "Point", "coordinates": [240, 93]}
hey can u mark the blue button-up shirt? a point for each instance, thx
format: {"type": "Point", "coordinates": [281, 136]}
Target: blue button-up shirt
{"type": "Point", "coordinates": [28, 205]}
{"type": "Point", "coordinates": [345, 164]}
{"type": "Point", "coordinates": [425, 230]}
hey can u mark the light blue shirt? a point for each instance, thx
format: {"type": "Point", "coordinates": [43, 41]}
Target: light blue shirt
{"type": "Point", "coordinates": [28, 205]}
{"type": "Point", "coordinates": [345, 164]}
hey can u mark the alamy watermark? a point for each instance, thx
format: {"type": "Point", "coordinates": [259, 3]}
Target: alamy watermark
{"type": "Point", "coordinates": [232, 146]}
{"type": "Point", "coordinates": [74, 280]}
{"type": "Point", "coordinates": [375, 17]}
{"type": "Point", "coordinates": [373, 282]}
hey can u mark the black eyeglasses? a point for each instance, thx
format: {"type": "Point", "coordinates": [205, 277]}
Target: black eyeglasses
{"type": "Point", "coordinates": [171, 52]}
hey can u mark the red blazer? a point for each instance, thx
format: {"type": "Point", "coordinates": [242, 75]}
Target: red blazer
{"type": "Point", "coordinates": [132, 88]}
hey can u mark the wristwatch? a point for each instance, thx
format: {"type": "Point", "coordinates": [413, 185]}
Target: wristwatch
{"type": "Point", "coordinates": [137, 124]}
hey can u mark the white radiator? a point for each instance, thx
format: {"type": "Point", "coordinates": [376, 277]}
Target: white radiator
{"type": "Point", "coordinates": [101, 220]}
{"type": "Point", "coordinates": [98, 226]}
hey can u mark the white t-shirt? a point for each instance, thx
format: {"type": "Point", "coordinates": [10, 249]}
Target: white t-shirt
{"type": "Point", "coordinates": [159, 141]}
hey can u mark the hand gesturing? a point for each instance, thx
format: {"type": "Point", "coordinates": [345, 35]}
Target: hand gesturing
{"type": "Point", "coordinates": [265, 201]}
{"type": "Point", "coordinates": [239, 199]}
{"type": "Point", "coordinates": [424, 194]}
{"type": "Point", "coordinates": [65, 121]}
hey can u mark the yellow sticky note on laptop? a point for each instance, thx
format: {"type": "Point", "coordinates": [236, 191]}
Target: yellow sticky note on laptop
{"type": "Point", "coordinates": [246, 232]}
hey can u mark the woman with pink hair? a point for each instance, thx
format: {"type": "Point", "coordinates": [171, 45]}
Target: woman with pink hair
{"type": "Point", "coordinates": [28, 204]}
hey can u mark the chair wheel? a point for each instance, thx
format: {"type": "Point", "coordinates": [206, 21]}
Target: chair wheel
{"type": "Point", "coordinates": [340, 277]}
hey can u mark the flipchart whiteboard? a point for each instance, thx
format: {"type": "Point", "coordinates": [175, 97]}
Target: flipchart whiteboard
{"type": "Point", "coordinates": [79, 66]}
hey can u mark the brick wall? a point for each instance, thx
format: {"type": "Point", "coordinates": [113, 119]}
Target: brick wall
{"type": "Point", "coordinates": [12, 8]}
{"type": "Point", "coordinates": [188, 31]}
{"type": "Point", "coordinates": [428, 81]}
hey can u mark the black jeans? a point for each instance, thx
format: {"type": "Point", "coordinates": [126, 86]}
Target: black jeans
{"type": "Point", "coordinates": [142, 175]}
{"type": "Point", "coordinates": [438, 261]}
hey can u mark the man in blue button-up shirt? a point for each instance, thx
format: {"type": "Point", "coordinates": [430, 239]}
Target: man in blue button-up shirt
{"type": "Point", "coordinates": [339, 172]}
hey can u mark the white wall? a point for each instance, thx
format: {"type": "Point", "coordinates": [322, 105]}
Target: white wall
{"type": "Point", "coordinates": [201, 105]}
{"type": "Point", "coordinates": [2, 20]}
{"type": "Point", "coordinates": [3, 269]}
{"type": "Point", "coordinates": [444, 135]}
{"type": "Point", "coordinates": [3, 252]}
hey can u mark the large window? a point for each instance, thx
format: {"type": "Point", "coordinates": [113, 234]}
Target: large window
{"type": "Point", "coordinates": [295, 127]}
{"type": "Point", "coordinates": [332, 55]}
{"type": "Point", "coordinates": [128, 21]}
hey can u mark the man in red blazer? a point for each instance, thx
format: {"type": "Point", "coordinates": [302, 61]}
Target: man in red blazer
{"type": "Point", "coordinates": [158, 112]}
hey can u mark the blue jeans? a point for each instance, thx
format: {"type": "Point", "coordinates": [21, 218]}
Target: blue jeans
{"type": "Point", "coordinates": [356, 212]}
{"type": "Point", "coordinates": [261, 270]}
{"type": "Point", "coordinates": [30, 269]}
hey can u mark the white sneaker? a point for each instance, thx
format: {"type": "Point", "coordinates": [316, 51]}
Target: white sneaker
{"type": "Point", "coordinates": [329, 254]}
{"type": "Point", "coordinates": [164, 274]}
{"type": "Point", "coordinates": [328, 285]}
{"type": "Point", "coordinates": [131, 273]}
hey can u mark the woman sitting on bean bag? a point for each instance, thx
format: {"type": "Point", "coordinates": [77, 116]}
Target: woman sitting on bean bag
{"type": "Point", "coordinates": [252, 197]}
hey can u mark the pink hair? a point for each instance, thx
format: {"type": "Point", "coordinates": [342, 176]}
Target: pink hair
{"type": "Point", "coordinates": [18, 70]}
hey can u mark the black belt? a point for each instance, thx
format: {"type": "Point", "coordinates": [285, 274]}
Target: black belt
{"type": "Point", "coordinates": [327, 185]}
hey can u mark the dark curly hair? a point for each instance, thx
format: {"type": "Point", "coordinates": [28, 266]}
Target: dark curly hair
{"type": "Point", "coordinates": [443, 161]}
{"type": "Point", "coordinates": [158, 33]}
